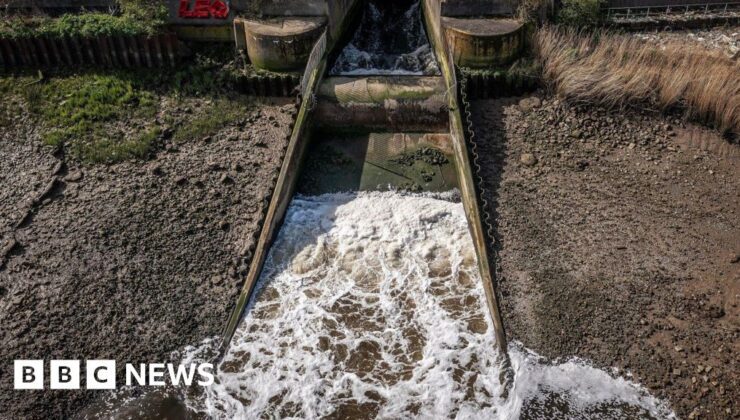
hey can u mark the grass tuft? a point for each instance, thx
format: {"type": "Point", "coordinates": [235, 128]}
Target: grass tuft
{"type": "Point", "coordinates": [210, 121]}
{"type": "Point", "coordinates": [136, 17]}
{"type": "Point", "coordinates": [617, 70]}
{"type": "Point", "coordinates": [77, 111]}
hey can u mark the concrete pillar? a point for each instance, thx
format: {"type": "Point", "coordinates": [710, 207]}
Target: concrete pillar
{"type": "Point", "coordinates": [282, 44]}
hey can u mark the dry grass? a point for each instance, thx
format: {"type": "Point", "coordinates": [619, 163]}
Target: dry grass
{"type": "Point", "coordinates": [617, 71]}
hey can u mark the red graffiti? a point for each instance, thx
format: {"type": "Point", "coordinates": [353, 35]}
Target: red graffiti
{"type": "Point", "coordinates": [204, 9]}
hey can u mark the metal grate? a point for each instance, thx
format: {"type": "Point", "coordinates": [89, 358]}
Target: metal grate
{"type": "Point", "coordinates": [648, 8]}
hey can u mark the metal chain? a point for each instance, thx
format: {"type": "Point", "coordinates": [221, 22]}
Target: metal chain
{"type": "Point", "coordinates": [470, 134]}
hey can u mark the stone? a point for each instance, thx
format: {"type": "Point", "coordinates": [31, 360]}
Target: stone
{"type": "Point", "coordinates": [73, 177]}
{"type": "Point", "coordinates": [528, 159]}
{"type": "Point", "coordinates": [156, 169]}
{"type": "Point", "coordinates": [12, 243]}
{"type": "Point", "coordinates": [181, 180]}
{"type": "Point", "coordinates": [57, 168]}
{"type": "Point", "coordinates": [528, 104]}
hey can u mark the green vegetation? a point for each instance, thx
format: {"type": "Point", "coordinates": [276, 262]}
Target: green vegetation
{"type": "Point", "coordinates": [522, 75]}
{"type": "Point", "coordinates": [112, 116]}
{"type": "Point", "coordinates": [89, 115]}
{"type": "Point", "coordinates": [78, 112]}
{"type": "Point", "coordinates": [209, 121]}
{"type": "Point", "coordinates": [581, 13]}
{"type": "Point", "coordinates": [9, 99]}
{"type": "Point", "coordinates": [115, 150]}
{"type": "Point", "coordinates": [135, 17]}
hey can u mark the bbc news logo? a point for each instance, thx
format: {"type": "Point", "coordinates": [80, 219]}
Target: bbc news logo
{"type": "Point", "coordinates": [101, 374]}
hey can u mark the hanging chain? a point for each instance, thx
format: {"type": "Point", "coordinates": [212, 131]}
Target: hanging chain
{"type": "Point", "coordinates": [470, 135]}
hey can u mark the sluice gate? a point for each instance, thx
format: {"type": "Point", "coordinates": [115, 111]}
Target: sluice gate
{"type": "Point", "coordinates": [392, 130]}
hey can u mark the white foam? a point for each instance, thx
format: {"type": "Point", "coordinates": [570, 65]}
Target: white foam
{"type": "Point", "coordinates": [375, 299]}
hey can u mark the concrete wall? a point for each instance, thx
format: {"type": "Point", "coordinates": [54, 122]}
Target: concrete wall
{"type": "Point", "coordinates": [334, 10]}
{"type": "Point", "coordinates": [337, 14]}
{"type": "Point", "coordinates": [477, 8]}
{"type": "Point", "coordinates": [201, 12]}
{"type": "Point", "coordinates": [281, 7]}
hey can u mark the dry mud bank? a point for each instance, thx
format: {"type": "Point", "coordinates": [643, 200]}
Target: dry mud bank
{"type": "Point", "coordinates": [619, 241]}
{"type": "Point", "coordinates": [130, 261]}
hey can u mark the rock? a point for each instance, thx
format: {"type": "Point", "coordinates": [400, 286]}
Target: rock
{"type": "Point", "coordinates": [678, 349]}
{"type": "Point", "coordinates": [676, 372]}
{"type": "Point", "coordinates": [5, 250]}
{"type": "Point", "coordinates": [225, 179]}
{"type": "Point", "coordinates": [528, 104]}
{"type": "Point", "coordinates": [57, 168]}
{"type": "Point", "coordinates": [631, 146]}
{"type": "Point", "coordinates": [73, 177]}
{"type": "Point", "coordinates": [181, 180]}
{"type": "Point", "coordinates": [735, 259]}
{"type": "Point", "coordinates": [528, 159]}
{"type": "Point", "coordinates": [156, 169]}
{"type": "Point", "coordinates": [582, 165]}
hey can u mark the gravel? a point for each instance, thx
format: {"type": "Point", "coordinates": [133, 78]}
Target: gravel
{"type": "Point", "coordinates": [617, 245]}
{"type": "Point", "coordinates": [722, 39]}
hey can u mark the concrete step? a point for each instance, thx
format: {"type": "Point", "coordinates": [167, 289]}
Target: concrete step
{"type": "Point", "coordinates": [385, 103]}
{"type": "Point", "coordinates": [484, 42]}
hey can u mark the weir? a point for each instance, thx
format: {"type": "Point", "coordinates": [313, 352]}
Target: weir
{"type": "Point", "coordinates": [371, 289]}
{"type": "Point", "coordinates": [380, 116]}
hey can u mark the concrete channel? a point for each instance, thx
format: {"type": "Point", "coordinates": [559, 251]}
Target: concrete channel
{"type": "Point", "coordinates": [369, 120]}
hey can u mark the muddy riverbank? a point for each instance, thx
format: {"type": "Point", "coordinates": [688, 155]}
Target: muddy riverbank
{"type": "Point", "coordinates": [619, 242]}
{"type": "Point", "coordinates": [129, 261]}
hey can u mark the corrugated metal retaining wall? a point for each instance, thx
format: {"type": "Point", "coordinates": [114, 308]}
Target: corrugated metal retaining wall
{"type": "Point", "coordinates": [110, 51]}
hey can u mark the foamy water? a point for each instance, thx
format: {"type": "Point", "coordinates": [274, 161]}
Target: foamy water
{"type": "Point", "coordinates": [370, 305]}
{"type": "Point", "coordinates": [388, 43]}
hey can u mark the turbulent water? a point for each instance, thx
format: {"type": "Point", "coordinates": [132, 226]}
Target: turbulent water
{"type": "Point", "coordinates": [371, 305]}
{"type": "Point", "coordinates": [390, 40]}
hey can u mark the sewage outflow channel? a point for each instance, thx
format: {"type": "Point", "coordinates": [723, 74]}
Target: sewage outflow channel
{"type": "Point", "coordinates": [371, 301]}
